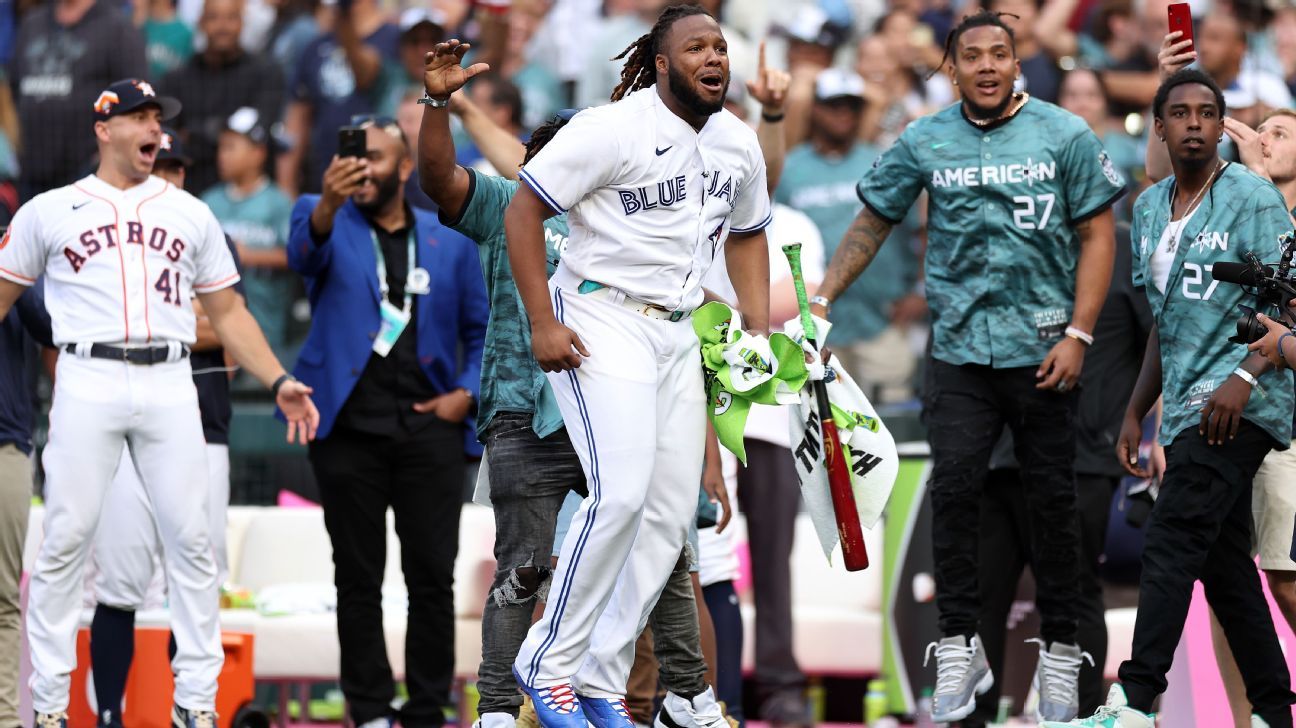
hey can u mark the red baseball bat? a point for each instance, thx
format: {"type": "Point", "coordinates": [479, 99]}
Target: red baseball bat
{"type": "Point", "coordinates": [849, 530]}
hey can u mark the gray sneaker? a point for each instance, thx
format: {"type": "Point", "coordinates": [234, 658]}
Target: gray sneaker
{"type": "Point", "coordinates": [1056, 681]}
{"type": "Point", "coordinates": [961, 675]}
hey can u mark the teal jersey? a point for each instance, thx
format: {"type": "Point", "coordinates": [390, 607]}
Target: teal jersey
{"type": "Point", "coordinates": [511, 379]}
{"type": "Point", "coordinates": [167, 44]}
{"type": "Point", "coordinates": [1196, 314]}
{"type": "Point", "coordinates": [824, 189]}
{"type": "Point", "coordinates": [1001, 242]}
{"type": "Point", "coordinates": [260, 221]}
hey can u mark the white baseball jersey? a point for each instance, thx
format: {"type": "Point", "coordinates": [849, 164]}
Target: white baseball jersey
{"type": "Point", "coordinates": [120, 265]}
{"type": "Point", "coordinates": [649, 200]}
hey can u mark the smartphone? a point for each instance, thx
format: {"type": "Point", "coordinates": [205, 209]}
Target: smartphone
{"type": "Point", "coordinates": [351, 142]}
{"type": "Point", "coordinates": [1180, 16]}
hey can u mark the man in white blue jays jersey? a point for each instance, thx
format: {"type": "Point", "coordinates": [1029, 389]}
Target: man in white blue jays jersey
{"type": "Point", "coordinates": [652, 185]}
{"type": "Point", "coordinates": [1019, 256]}
{"type": "Point", "coordinates": [123, 253]}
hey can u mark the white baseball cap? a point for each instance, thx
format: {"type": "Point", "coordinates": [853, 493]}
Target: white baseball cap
{"type": "Point", "coordinates": [833, 83]}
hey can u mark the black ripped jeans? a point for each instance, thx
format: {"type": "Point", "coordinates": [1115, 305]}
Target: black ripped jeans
{"type": "Point", "coordinates": [966, 408]}
{"type": "Point", "coordinates": [529, 479]}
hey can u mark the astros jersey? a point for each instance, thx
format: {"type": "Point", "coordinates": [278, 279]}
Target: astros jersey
{"type": "Point", "coordinates": [511, 379]}
{"type": "Point", "coordinates": [120, 265]}
{"type": "Point", "coordinates": [649, 199]}
{"type": "Point", "coordinates": [1196, 314]}
{"type": "Point", "coordinates": [1001, 246]}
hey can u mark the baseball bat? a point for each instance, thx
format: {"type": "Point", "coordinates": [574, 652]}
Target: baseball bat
{"type": "Point", "coordinates": [839, 482]}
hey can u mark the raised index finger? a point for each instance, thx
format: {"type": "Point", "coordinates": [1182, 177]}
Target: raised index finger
{"type": "Point", "coordinates": [760, 58]}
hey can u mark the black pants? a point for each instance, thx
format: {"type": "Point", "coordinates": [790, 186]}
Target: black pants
{"type": "Point", "coordinates": [769, 494]}
{"type": "Point", "coordinates": [421, 478]}
{"type": "Point", "coordinates": [1200, 528]}
{"type": "Point", "coordinates": [1005, 551]}
{"type": "Point", "coordinates": [966, 409]}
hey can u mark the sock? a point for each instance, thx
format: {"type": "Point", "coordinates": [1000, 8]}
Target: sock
{"type": "Point", "coordinates": [112, 647]}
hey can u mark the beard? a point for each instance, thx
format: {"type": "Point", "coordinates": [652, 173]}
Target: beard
{"type": "Point", "coordinates": [387, 188]}
{"type": "Point", "coordinates": [988, 113]}
{"type": "Point", "coordinates": [681, 89]}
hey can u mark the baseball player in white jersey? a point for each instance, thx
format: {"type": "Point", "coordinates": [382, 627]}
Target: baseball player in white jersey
{"type": "Point", "coordinates": [121, 252]}
{"type": "Point", "coordinates": [653, 185]}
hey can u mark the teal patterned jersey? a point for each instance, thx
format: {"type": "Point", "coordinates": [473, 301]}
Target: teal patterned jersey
{"type": "Point", "coordinates": [511, 379]}
{"type": "Point", "coordinates": [1001, 242]}
{"type": "Point", "coordinates": [1196, 315]}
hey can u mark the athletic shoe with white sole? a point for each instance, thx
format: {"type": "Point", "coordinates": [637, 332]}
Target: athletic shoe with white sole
{"type": "Point", "coordinates": [606, 712]}
{"type": "Point", "coordinates": [1115, 714]}
{"type": "Point", "coordinates": [1056, 680]}
{"type": "Point", "coordinates": [495, 720]}
{"type": "Point", "coordinates": [383, 722]}
{"type": "Point", "coordinates": [555, 706]}
{"type": "Point", "coordinates": [701, 712]}
{"type": "Point", "coordinates": [51, 720]}
{"type": "Point", "coordinates": [961, 675]}
{"type": "Point", "coordinates": [186, 718]}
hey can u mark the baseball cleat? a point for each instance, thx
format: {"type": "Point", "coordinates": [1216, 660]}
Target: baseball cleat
{"type": "Point", "coordinates": [607, 712]}
{"type": "Point", "coordinates": [1115, 714]}
{"type": "Point", "coordinates": [961, 675]}
{"type": "Point", "coordinates": [701, 712]}
{"type": "Point", "coordinates": [1056, 681]}
{"type": "Point", "coordinates": [186, 718]}
{"type": "Point", "coordinates": [51, 720]}
{"type": "Point", "coordinates": [556, 706]}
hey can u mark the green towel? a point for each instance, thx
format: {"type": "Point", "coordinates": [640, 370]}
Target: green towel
{"type": "Point", "coordinates": [743, 369]}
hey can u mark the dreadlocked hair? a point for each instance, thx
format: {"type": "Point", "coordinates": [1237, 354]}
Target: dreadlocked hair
{"type": "Point", "coordinates": [980, 19]}
{"type": "Point", "coordinates": [542, 135]}
{"type": "Point", "coordinates": [640, 69]}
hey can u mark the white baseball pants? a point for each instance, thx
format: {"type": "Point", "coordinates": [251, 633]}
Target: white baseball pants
{"type": "Point", "coordinates": [98, 406]}
{"type": "Point", "coordinates": [127, 556]}
{"type": "Point", "coordinates": [635, 411]}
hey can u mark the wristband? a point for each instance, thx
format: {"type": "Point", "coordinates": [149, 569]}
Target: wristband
{"type": "Point", "coordinates": [1280, 344]}
{"type": "Point", "coordinates": [772, 118]}
{"type": "Point", "coordinates": [434, 102]}
{"type": "Point", "coordinates": [820, 300]}
{"type": "Point", "coordinates": [285, 377]}
{"type": "Point", "coordinates": [1084, 337]}
{"type": "Point", "coordinates": [1247, 377]}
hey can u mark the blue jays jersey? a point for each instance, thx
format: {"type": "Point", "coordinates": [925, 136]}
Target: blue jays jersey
{"type": "Point", "coordinates": [1001, 242]}
{"type": "Point", "coordinates": [1196, 314]}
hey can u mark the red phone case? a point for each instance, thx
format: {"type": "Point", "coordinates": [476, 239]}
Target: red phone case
{"type": "Point", "coordinates": [1180, 16]}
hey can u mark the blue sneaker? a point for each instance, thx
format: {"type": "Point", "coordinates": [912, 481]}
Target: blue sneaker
{"type": "Point", "coordinates": [607, 712]}
{"type": "Point", "coordinates": [186, 718]}
{"type": "Point", "coordinates": [556, 706]}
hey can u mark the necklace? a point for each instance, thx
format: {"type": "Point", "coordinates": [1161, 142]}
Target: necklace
{"type": "Point", "coordinates": [1192, 206]}
{"type": "Point", "coordinates": [1019, 100]}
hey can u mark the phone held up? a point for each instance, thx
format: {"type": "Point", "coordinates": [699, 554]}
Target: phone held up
{"type": "Point", "coordinates": [351, 142]}
{"type": "Point", "coordinates": [1180, 16]}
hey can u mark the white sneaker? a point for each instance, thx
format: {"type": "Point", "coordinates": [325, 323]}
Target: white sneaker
{"type": "Point", "coordinates": [1115, 714]}
{"type": "Point", "coordinates": [701, 712]}
{"type": "Point", "coordinates": [376, 723]}
{"type": "Point", "coordinates": [962, 674]}
{"type": "Point", "coordinates": [495, 720]}
{"type": "Point", "coordinates": [1057, 678]}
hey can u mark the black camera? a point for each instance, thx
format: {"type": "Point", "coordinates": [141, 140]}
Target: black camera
{"type": "Point", "coordinates": [1273, 288]}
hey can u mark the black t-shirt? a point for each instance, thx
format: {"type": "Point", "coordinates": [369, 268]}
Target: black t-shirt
{"type": "Point", "coordinates": [382, 402]}
{"type": "Point", "coordinates": [211, 379]}
{"type": "Point", "coordinates": [1042, 76]}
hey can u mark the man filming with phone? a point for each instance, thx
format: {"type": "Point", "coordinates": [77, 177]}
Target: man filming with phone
{"type": "Point", "coordinates": [395, 297]}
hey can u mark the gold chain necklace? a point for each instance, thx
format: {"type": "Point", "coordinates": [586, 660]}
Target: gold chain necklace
{"type": "Point", "coordinates": [1192, 206]}
{"type": "Point", "coordinates": [1017, 104]}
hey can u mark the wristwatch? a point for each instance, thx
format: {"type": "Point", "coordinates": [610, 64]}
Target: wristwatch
{"type": "Point", "coordinates": [429, 100]}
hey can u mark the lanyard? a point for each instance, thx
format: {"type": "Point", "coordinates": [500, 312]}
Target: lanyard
{"type": "Point", "coordinates": [382, 268]}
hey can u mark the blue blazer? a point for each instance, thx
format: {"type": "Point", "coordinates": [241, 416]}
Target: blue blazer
{"type": "Point", "coordinates": [342, 284]}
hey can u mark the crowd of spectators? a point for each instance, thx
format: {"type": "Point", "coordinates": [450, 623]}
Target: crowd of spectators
{"type": "Point", "coordinates": [266, 84]}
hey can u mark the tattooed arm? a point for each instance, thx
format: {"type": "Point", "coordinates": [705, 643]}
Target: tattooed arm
{"type": "Point", "coordinates": [856, 251]}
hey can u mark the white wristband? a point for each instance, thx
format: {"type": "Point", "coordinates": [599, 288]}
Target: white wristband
{"type": "Point", "coordinates": [1245, 376]}
{"type": "Point", "coordinates": [820, 300]}
{"type": "Point", "coordinates": [1083, 337]}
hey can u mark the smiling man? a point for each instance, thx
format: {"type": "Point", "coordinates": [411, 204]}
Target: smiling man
{"type": "Point", "coordinates": [653, 185]}
{"type": "Point", "coordinates": [1019, 255]}
{"type": "Point", "coordinates": [1216, 429]}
